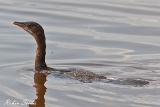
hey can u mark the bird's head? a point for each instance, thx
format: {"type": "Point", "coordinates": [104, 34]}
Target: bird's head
{"type": "Point", "coordinates": [32, 28]}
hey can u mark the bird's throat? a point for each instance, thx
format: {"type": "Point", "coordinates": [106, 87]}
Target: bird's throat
{"type": "Point", "coordinates": [40, 63]}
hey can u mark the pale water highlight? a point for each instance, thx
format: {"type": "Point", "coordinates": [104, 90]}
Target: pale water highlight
{"type": "Point", "coordinates": [117, 39]}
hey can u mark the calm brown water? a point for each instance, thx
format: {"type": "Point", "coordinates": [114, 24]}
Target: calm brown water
{"type": "Point", "coordinates": [117, 39]}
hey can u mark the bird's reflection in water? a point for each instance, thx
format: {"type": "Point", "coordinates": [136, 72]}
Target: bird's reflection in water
{"type": "Point", "coordinates": [39, 81]}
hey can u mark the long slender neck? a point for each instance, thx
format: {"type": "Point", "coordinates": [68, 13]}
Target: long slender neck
{"type": "Point", "coordinates": [40, 63]}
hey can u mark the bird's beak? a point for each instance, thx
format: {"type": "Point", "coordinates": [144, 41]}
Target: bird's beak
{"type": "Point", "coordinates": [20, 24]}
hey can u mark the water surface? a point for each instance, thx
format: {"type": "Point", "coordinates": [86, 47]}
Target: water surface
{"type": "Point", "coordinates": [117, 39]}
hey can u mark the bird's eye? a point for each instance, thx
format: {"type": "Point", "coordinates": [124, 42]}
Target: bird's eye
{"type": "Point", "coordinates": [29, 25]}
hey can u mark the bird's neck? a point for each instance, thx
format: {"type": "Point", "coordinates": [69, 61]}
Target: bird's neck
{"type": "Point", "coordinates": [40, 63]}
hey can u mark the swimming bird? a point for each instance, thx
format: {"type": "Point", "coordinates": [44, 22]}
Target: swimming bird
{"type": "Point", "coordinates": [37, 31]}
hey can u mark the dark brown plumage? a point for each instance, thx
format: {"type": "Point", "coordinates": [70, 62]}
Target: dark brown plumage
{"type": "Point", "coordinates": [37, 32]}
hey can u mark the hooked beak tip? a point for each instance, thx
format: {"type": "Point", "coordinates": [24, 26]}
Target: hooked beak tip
{"type": "Point", "coordinates": [20, 24]}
